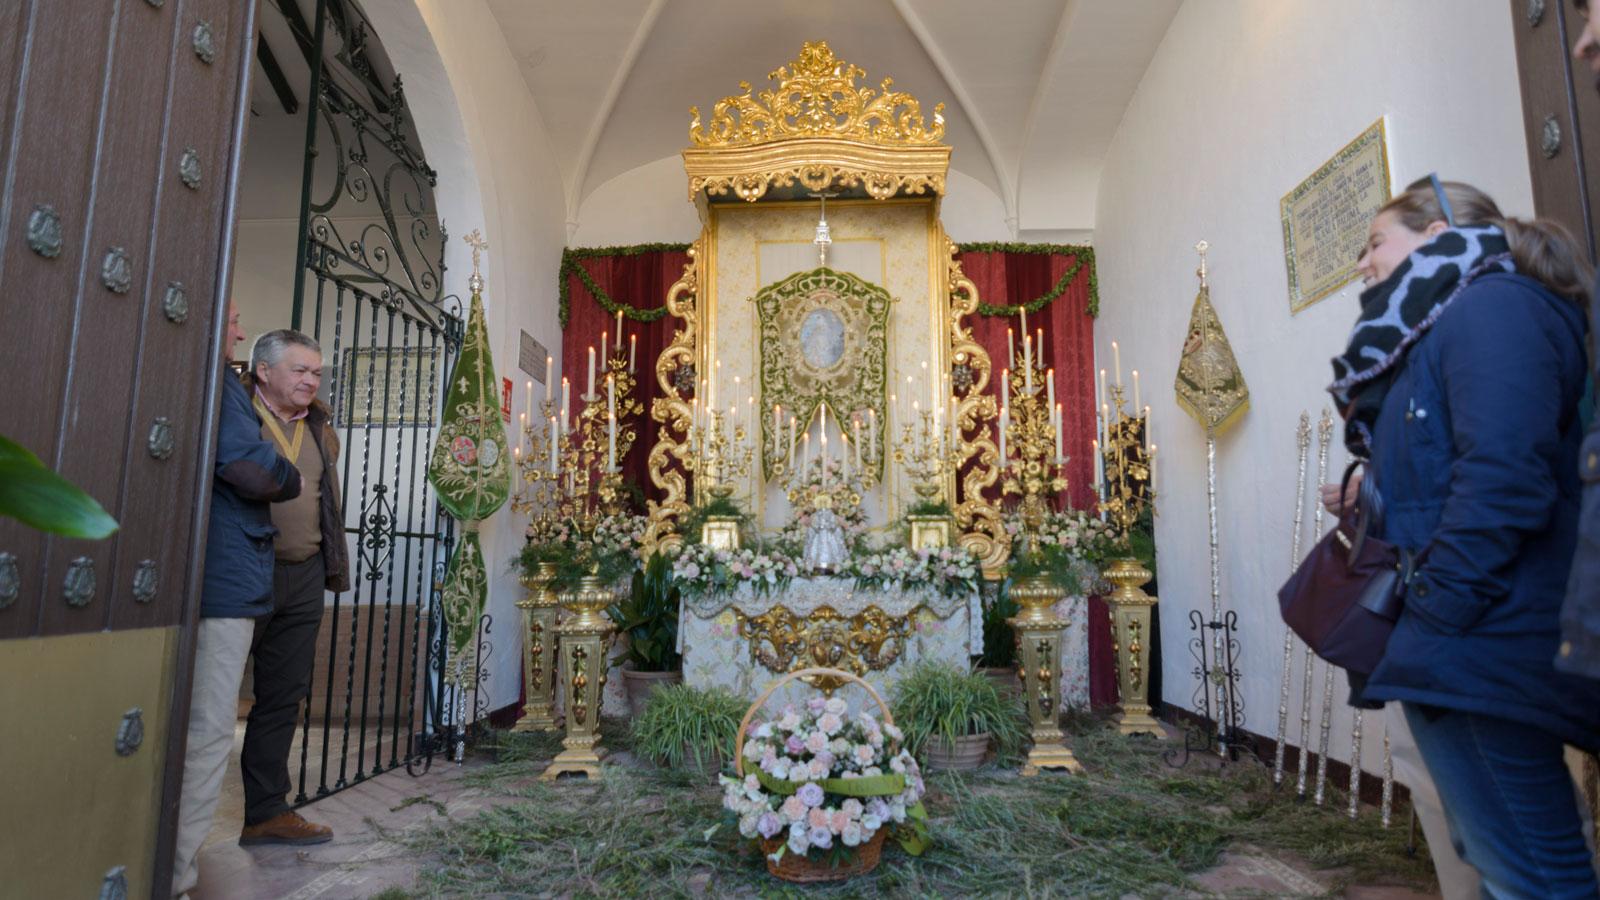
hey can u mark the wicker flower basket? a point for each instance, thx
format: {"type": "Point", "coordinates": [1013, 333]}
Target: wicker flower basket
{"type": "Point", "coordinates": [801, 869]}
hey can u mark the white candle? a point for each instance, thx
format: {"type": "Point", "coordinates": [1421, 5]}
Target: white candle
{"type": "Point", "coordinates": [633, 346]}
{"type": "Point", "coordinates": [603, 356]}
{"type": "Point", "coordinates": [872, 434]}
{"type": "Point", "coordinates": [1027, 365]}
{"type": "Point", "coordinates": [589, 393]}
{"type": "Point", "coordinates": [1135, 390]}
{"type": "Point", "coordinates": [1005, 419]}
{"type": "Point", "coordinates": [527, 396]}
{"type": "Point", "coordinates": [566, 404]}
{"type": "Point", "coordinates": [1011, 347]}
{"type": "Point", "coordinates": [611, 450]}
{"type": "Point", "coordinates": [805, 449]}
{"type": "Point", "coordinates": [1152, 468]}
{"type": "Point", "coordinates": [777, 422]}
{"type": "Point", "coordinates": [549, 379]}
{"type": "Point", "coordinates": [1060, 455]}
{"type": "Point", "coordinates": [1038, 346]}
{"type": "Point", "coordinates": [554, 447]}
{"type": "Point", "coordinates": [1094, 448]}
{"type": "Point", "coordinates": [1050, 385]}
{"type": "Point", "coordinates": [1005, 387]}
{"type": "Point", "coordinates": [1116, 362]}
{"type": "Point", "coordinates": [793, 424]}
{"type": "Point", "coordinates": [1100, 398]}
{"type": "Point", "coordinates": [856, 424]}
{"type": "Point", "coordinates": [619, 331]}
{"type": "Point", "coordinates": [824, 452]}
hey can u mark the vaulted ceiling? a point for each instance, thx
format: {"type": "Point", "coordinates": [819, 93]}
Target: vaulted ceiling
{"type": "Point", "coordinates": [1033, 89]}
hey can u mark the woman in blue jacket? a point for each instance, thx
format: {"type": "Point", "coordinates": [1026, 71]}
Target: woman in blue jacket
{"type": "Point", "coordinates": [1461, 385]}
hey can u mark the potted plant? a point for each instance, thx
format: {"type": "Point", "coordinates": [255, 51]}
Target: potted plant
{"type": "Point", "coordinates": [690, 728]}
{"type": "Point", "coordinates": [999, 660]}
{"type": "Point", "coordinates": [950, 716]}
{"type": "Point", "coordinates": [648, 617]}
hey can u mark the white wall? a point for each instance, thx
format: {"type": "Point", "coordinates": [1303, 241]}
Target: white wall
{"type": "Point", "coordinates": [1244, 99]}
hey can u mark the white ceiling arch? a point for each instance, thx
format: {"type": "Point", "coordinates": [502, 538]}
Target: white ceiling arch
{"type": "Point", "coordinates": [1033, 89]}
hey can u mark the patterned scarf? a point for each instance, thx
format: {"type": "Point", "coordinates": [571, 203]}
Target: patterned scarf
{"type": "Point", "coordinates": [1398, 311]}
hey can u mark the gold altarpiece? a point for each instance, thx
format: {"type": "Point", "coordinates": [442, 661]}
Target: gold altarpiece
{"type": "Point", "coordinates": [754, 171]}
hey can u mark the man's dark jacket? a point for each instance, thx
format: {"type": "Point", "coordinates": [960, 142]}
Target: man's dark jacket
{"type": "Point", "coordinates": [248, 478]}
{"type": "Point", "coordinates": [330, 508]}
{"type": "Point", "coordinates": [1580, 615]}
{"type": "Point", "coordinates": [1475, 453]}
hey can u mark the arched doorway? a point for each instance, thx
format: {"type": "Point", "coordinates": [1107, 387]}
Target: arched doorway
{"type": "Point", "coordinates": [340, 237]}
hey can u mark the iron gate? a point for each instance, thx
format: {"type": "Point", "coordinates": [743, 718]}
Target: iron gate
{"type": "Point", "coordinates": [369, 287]}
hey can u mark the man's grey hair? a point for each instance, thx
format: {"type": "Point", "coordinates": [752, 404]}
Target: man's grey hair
{"type": "Point", "coordinates": [269, 347]}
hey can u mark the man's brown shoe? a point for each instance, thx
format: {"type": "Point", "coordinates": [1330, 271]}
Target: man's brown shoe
{"type": "Point", "coordinates": [285, 828]}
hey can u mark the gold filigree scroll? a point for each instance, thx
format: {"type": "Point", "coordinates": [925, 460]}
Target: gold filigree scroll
{"type": "Point", "coordinates": [674, 367]}
{"type": "Point", "coordinates": [818, 128]}
{"type": "Point", "coordinates": [782, 641]}
{"type": "Point", "coordinates": [978, 518]}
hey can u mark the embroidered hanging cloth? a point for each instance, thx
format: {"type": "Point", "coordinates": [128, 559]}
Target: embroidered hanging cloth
{"type": "Point", "coordinates": [470, 469]}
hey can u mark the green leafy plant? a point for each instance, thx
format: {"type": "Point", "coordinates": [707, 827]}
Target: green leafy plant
{"type": "Point", "coordinates": [649, 618]}
{"type": "Point", "coordinates": [937, 699]}
{"type": "Point", "coordinates": [613, 565]}
{"type": "Point", "coordinates": [929, 508]}
{"type": "Point", "coordinates": [999, 641]}
{"type": "Point", "coordinates": [680, 723]}
{"type": "Point", "coordinates": [41, 499]}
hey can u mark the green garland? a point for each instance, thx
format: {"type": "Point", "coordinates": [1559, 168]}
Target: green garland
{"type": "Point", "coordinates": [1082, 255]}
{"type": "Point", "coordinates": [569, 266]}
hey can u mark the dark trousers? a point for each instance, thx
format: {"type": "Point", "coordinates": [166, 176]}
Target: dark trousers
{"type": "Point", "coordinates": [284, 646]}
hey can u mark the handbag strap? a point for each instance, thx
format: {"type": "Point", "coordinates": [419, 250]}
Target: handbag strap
{"type": "Point", "coordinates": [1366, 513]}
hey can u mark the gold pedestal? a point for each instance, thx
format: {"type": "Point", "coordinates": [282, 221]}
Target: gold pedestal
{"type": "Point", "coordinates": [583, 665]}
{"type": "Point", "coordinates": [1039, 649]}
{"type": "Point", "coordinates": [539, 612]}
{"type": "Point", "coordinates": [720, 532]}
{"type": "Point", "coordinates": [930, 532]}
{"type": "Point", "coordinates": [1130, 634]}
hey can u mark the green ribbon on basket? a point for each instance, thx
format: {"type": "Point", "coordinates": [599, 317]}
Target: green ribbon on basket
{"type": "Point", "coordinates": [913, 836]}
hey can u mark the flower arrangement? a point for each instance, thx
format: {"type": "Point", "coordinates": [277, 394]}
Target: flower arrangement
{"type": "Point", "coordinates": [611, 549]}
{"type": "Point", "coordinates": [950, 570]}
{"type": "Point", "coordinates": [701, 570]}
{"type": "Point", "coordinates": [825, 782]}
{"type": "Point", "coordinates": [1069, 546]}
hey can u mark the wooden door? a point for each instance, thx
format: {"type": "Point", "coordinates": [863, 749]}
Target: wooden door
{"type": "Point", "coordinates": [1561, 116]}
{"type": "Point", "coordinates": [121, 124]}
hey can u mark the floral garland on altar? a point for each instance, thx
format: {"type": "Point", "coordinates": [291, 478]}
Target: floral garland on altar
{"type": "Point", "coordinates": [703, 571]}
{"type": "Point", "coordinates": [1073, 547]}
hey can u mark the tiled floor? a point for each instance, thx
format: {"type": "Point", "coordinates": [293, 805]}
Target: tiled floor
{"type": "Point", "coordinates": [358, 862]}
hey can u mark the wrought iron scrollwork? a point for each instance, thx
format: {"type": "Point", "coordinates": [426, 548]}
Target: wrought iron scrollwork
{"type": "Point", "coordinates": [378, 529]}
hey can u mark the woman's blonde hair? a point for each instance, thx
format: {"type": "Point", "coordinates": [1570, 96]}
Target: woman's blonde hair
{"type": "Point", "coordinates": [1543, 249]}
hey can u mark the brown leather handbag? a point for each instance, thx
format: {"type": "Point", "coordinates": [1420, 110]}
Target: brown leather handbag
{"type": "Point", "coordinates": [1346, 595]}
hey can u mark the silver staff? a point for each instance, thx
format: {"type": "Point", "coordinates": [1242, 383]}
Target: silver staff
{"type": "Point", "coordinates": [1324, 438]}
{"type": "Point", "coordinates": [1303, 440]}
{"type": "Point", "coordinates": [1355, 765]}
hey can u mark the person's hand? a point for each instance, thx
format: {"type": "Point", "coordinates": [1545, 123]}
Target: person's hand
{"type": "Point", "coordinates": [1330, 495]}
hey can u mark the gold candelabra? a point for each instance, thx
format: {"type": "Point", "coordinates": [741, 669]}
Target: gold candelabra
{"type": "Point", "coordinates": [1032, 467]}
{"type": "Point", "coordinates": [1126, 488]}
{"type": "Point", "coordinates": [569, 477]}
{"type": "Point", "coordinates": [721, 454]}
{"type": "Point", "coordinates": [929, 451]}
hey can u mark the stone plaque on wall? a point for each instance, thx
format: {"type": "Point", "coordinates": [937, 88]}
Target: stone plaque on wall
{"type": "Point", "coordinates": [1325, 217]}
{"type": "Point", "coordinates": [391, 386]}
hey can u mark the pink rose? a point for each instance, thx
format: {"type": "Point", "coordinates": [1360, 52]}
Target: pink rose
{"type": "Point", "coordinates": [793, 810]}
{"type": "Point", "coordinates": [818, 818]}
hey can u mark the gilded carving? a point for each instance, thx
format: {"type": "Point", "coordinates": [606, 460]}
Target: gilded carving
{"type": "Point", "coordinates": [977, 517]}
{"type": "Point", "coordinates": [784, 641]}
{"type": "Point", "coordinates": [877, 140]}
{"type": "Point", "coordinates": [671, 409]}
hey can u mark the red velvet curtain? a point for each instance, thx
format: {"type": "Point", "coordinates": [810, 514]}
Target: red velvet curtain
{"type": "Point", "coordinates": [639, 280]}
{"type": "Point", "coordinates": [1011, 278]}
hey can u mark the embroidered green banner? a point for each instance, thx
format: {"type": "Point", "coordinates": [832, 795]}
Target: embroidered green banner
{"type": "Point", "coordinates": [470, 467]}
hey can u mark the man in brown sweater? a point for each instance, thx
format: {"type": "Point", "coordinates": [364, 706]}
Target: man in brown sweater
{"type": "Point", "coordinates": [311, 556]}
